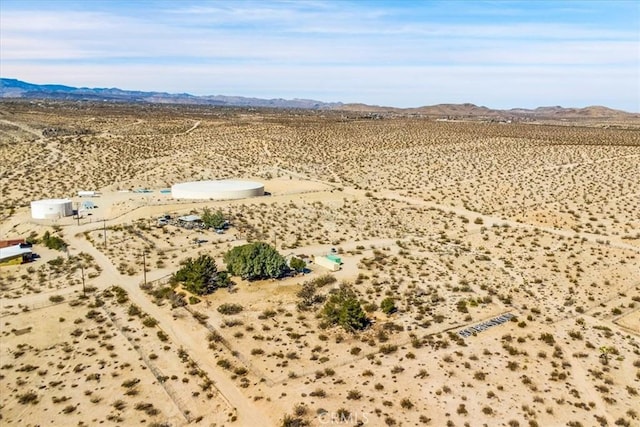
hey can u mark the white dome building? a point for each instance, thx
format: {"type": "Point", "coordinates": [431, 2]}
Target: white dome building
{"type": "Point", "coordinates": [225, 189]}
{"type": "Point", "coordinates": [51, 208]}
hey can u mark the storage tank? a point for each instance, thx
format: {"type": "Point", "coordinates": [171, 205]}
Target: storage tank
{"type": "Point", "coordinates": [51, 208]}
{"type": "Point", "coordinates": [224, 189]}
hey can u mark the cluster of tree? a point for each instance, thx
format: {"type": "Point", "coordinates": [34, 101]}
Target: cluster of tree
{"type": "Point", "coordinates": [343, 308]}
{"type": "Point", "coordinates": [255, 261]}
{"type": "Point", "coordinates": [252, 261]}
{"type": "Point", "coordinates": [213, 219]}
{"type": "Point", "coordinates": [200, 276]}
{"type": "Point", "coordinates": [53, 242]}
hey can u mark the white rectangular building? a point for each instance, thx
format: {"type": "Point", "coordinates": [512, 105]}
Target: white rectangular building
{"type": "Point", "coordinates": [325, 262]}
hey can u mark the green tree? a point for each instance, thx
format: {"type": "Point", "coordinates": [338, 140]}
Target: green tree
{"type": "Point", "coordinates": [344, 309]}
{"type": "Point", "coordinates": [297, 264]}
{"type": "Point", "coordinates": [388, 306]}
{"type": "Point", "coordinates": [351, 316]}
{"type": "Point", "coordinates": [200, 276]}
{"type": "Point", "coordinates": [213, 219]}
{"type": "Point", "coordinates": [255, 261]}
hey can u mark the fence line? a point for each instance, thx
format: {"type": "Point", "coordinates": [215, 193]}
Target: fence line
{"type": "Point", "coordinates": [182, 407]}
{"type": "Point", "coordinates": [246, 362]}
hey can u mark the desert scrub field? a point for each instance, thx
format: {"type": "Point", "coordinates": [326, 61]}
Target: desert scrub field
{"type": "Point", "coordinates": [441, 226]}
{"type": "Point", "coordinates": [102, 360]}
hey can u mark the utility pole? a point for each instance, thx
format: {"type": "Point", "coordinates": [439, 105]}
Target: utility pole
{"type": "Point", "coordinates": [144, 267]}
{"type": "Point", "coordinates": [104, 226]}
{"type": "Point", "coordinates": [84, 290]}
{"type": "Point", "coordinates": [78, 212]}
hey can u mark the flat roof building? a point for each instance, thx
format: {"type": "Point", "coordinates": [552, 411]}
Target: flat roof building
{"type": "Point", "coordinates": [326, 262]}
{"type": "Point", "coordinates": [189, 218]}
{"type": "Point", "coordinates": [14, 255]}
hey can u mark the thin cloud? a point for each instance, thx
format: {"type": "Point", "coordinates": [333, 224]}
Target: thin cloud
{"type": "Point", "coordinates": [307, 50]}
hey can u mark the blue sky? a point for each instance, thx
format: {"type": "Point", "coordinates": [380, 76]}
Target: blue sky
{"type": "Point", "coordinates": [502, 54]}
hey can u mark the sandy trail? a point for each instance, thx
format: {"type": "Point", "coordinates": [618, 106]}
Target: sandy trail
{"type": "Point", "coordinates": [24, 127]}
{"type": "Point", "coordinates": [192, 128]}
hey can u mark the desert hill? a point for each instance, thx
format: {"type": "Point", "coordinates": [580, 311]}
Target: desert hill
{"type": "Point", "coordinates": [13, 88]}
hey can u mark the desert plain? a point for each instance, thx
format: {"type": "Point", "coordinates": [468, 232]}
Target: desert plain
{"type": "Point", "coordinates": [457, 221]}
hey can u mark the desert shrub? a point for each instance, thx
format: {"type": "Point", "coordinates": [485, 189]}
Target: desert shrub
{"type": "Point", "coordinates": [215, 336]}
{"type": "Point", "coordinates": [388, 306]}
{"type": "Point", "coordinates": [224, 363]}
{"type": "Point", "coordinates": [406, 403]}
{"type": "Point", "coordinates": [388, 348]}
{"type": "Point", "coordinates": [69, 409]}
{"type": "Point", "coordinates": [130, 383]}
{"type": "Point", "coordinates": [354, 395]}
{"type": "Point", "coordinates": [308, 296]}
{"type": "Point", "coordinates": [134, 310]}
{"type": "Point", "coordinates": [162, 336]}
{"type": "Point", "coordinates": [28, 397]}
{"type": "Point", "coordinates": [318, 393]}
{"type": "Point", "coordinates": [200, 317]}
{"type": "Point", "coordinates": [53, 242]}
{"type": "Point", "coordinates": [480, 375]}
{"type": "Point", "coordinates": [240, 371]}
{"type": "Point", "coordinates": [229, 308]}
{"type": "Point", "coordinates": [324, 280]}
{"type": "Point", "coordinates": [149, 322]}
{"type": "Point", "coordinates": [547, 338]}
{"type": "Point", "coordinates": [293, 421]}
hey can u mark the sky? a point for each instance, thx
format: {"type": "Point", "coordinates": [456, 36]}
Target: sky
{"type": "Point", "coordinates": [500, 54]}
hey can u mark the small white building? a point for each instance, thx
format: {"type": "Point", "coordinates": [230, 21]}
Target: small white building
{"type": "Point", "coordinates": [51, 208]}
{"type": "Point", "coordinates": [327, 263]}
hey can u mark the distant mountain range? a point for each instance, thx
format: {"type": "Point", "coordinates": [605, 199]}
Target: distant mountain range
{"type": "Point", "coordinates": [13, 88]}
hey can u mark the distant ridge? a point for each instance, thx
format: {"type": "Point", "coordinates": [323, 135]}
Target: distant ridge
{"type": "Point", "coordinates": [13, 88]}
{"type": "Point", "coordinates": [473, 111]}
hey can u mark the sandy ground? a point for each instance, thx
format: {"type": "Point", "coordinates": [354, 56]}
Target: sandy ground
{"type": "Point", "coordinates": [458, 222]}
